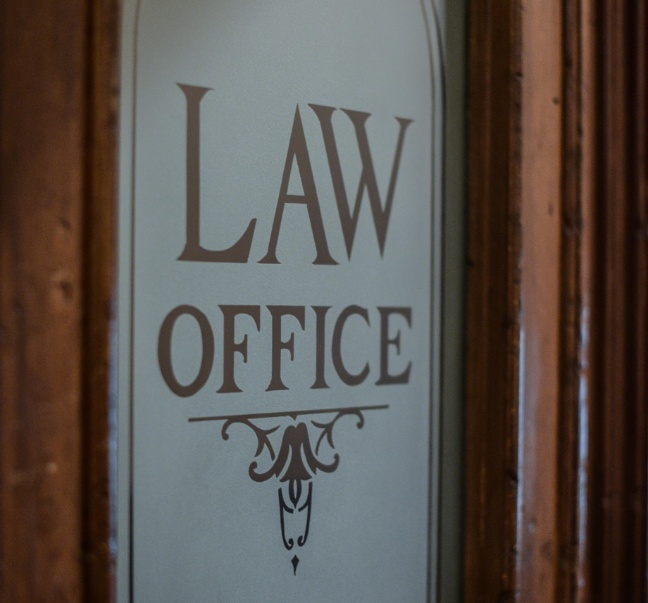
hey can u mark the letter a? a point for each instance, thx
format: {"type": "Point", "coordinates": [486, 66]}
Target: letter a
{"type": "Point", "coordinates": [298, 151]}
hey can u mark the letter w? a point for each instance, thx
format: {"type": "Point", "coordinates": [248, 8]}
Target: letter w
{"type": "Point", "coordinates": [349, 220]}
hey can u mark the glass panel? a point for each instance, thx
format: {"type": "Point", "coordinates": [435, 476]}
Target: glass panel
{"type": "Point", "coordinates": [280, 297]}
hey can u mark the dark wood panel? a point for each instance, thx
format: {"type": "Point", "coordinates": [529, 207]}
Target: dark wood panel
{"type": "Point", "coordinates": [57, 178]}
{"type": "Point", "coordinates": [42, 180]}
{"type": "Point", "coordinates": [619, 430]}
{"type": "Point", "coordinates": [99, 284]}
{"type": "Point", "coordinates": [577, 266]}
{"type": "Point", "coordinates": [493, 303]}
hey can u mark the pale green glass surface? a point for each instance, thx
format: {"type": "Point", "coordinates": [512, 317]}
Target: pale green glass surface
{"type": "Point", "coordinates": [202, 529]}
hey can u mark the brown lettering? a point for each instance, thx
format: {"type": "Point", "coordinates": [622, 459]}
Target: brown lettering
{"type": "Point", "coordinates": [336, 351]}
{"type": "Point", "coordinates": [348, 220]}
{"type": "Point", "coordinates": [164, 351]}
{"type": "Point", "coordinates": [230, 347]}
{"type": "Point", "coordinates": [385, 342]}
{"type": "Point", "coordinates": [278, 344]}
{"type": "Point", "coordinates": [193, 251]}
{"type": "Point", "coordinates": [297, 151]}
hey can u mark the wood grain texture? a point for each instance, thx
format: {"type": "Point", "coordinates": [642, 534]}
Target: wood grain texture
{"type": "Point", "coordinates": [493, 303]}
{"type": "Point", "coordinates": [541, 206]}
{"type": "Point", "coordinates": [42, 177]}
{"type": "Point", "coordinates": [619, 429]}
{"type": "Point", "coordinates": [578, 277]}
{"type": "Point", "coordinates": [569, 410]}
{"type": "Point", "coordinates": [57, 180]}
{"type": "Point", "coordinates": [99, 282]}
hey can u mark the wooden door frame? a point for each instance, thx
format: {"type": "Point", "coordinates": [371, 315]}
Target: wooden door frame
{"type": "Point", "coordinates": [58, 157]}
{"type": "Point", "coordinates": [557, 338]}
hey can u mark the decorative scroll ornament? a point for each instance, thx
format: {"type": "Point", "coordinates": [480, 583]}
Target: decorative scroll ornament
{"type": "Point", "coordinates": [295, 464]}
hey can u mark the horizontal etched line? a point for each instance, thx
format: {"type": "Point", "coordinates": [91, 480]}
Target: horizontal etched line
{"type": "Point", "coordinates": [292, 414]}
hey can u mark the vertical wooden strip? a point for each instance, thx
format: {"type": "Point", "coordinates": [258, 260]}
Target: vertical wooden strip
{"type": "Point", "coordinates": [493, 303]}
{"type": "Point", "coordinates": [42, 176]}
{"type": "Point", "coordinates": [514, 304]}
{"type": "Point", "coordinates": [541, 208]}
{"type": "Point", "coordinates": [578, 302]}
{"type": "Point", "coordinates": [612, 354]}
{"type": "Point", "coordinates": [618, 526]}
{"type": "Point", "coordinates": [588, 140]}
{"type": "Point", "coordinates": [638, 279]}
{"type": "Point", "coordinates": [608, 481]}
{"type": "Point", "coordinates": [575, 300]}
{"type": "Point", "coordinates": [99, 282]}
